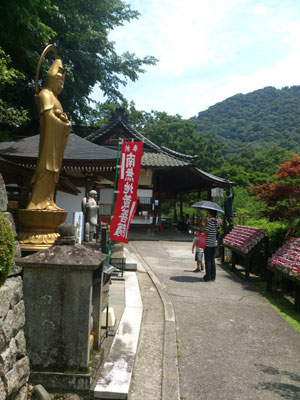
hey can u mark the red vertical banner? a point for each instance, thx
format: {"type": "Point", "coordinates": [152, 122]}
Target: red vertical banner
{"type": "Point", "coordinates": [126, 201]}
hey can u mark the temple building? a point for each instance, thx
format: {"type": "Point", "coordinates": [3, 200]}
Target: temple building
{"type": "Point", "coordinates": [90, 163]}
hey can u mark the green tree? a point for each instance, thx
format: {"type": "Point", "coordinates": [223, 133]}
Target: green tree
{"type": "Point", "coordinates": [79, 30]}
{"type": "Point", "coordinates": [235, 173]}
{"type": "Point", "coordinates": [262, 164]}
{"type": "Point", "coordinates": [9, 115]}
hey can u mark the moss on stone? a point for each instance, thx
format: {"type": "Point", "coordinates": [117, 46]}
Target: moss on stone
{"type": "Point", "coordinates": [7, 248]}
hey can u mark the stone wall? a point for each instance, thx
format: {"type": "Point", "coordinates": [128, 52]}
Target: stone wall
{"type": "Point", "coordinates": [14, 364]}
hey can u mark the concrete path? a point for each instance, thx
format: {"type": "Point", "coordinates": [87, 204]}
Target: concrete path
{"type": "Point", "coordinates": [146, 381]}
{"type": "Point", "coordinates": [231, 344]}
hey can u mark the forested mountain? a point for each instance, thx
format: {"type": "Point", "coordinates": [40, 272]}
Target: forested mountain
{"type": "Point", "coordinates": [257, 120]}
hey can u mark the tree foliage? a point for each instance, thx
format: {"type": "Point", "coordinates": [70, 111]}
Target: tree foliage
{"type": "Point", "coordinates": [79, 30]}
{"type": "Point", "coordinates": [255, 120]}
{"type": "Point", "coordinates": [250, 166]}
{"type": "Point", "coordinates": [282, 194]}
{"type": "Point", "coordinates": [9, 114]}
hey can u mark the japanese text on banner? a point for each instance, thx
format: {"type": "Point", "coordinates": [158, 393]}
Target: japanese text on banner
{"type": "Point", "coordinates": [126, 201]}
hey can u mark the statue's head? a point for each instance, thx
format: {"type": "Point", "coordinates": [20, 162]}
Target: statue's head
{"type": "Point", "coordinates": [93, 194]}
{"type": "Point", "coordinates": [56, 77]}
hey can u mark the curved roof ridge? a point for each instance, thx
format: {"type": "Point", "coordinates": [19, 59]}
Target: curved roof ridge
{"type": "Point", "coordinates": [140, 136]}
{"type": "Point", "coordinates": [106, 128]}
{"type": "Point", "coordinates": [178, 154]}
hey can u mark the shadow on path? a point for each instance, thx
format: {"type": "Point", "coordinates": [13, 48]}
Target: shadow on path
{"type": "Point", "coordinates": [285, 390]}
{"type": "Point", "coordinates": [190, 279]}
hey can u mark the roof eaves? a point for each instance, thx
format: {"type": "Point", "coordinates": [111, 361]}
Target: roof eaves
{"type": "Point", "coordinates": [215, 178]}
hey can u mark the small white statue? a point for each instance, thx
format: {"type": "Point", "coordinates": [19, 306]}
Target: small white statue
{"type": "Point", "coordinates": [91, 211]}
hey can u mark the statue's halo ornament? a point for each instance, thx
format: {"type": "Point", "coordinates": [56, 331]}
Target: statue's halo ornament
{"type": "Point", "coordinates": [52, 48]}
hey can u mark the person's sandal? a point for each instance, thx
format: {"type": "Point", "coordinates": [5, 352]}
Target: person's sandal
{"type": "Point", "coordinates": [197, 270]}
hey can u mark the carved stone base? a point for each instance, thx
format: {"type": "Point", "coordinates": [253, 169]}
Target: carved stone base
{"type": "Point", "coordinates": [38, 228]}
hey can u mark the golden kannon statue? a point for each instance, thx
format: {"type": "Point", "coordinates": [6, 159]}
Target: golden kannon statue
{"type": "Point", "coordinates": [38, 223]}
{"type": "Point", "coordinates": [54, 133]}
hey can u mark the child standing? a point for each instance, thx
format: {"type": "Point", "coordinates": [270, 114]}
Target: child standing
{"type": "Point", "coordinates": [199, 252]}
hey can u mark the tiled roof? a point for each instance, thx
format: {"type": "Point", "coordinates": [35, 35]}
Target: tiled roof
{"type": "Point", "coordinates": [150, 159]}
{"type": "Point", "coordinates": [77, 149]}
{"type": "Point", "coordinates": [81, 149]}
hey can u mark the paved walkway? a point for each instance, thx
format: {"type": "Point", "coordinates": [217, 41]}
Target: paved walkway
{"type": "Point", "coordinates": [231, 344]}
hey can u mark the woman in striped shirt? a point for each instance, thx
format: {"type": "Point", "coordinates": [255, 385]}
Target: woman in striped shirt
{"type": "Point", "coordinates": [210, 226]}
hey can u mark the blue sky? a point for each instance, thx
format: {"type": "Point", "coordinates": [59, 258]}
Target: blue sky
{"type": "Point", "coordinates": [209, 50]}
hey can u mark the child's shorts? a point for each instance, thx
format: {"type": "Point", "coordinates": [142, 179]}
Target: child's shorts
{"type": "Point", "coordinates": [199, 255]}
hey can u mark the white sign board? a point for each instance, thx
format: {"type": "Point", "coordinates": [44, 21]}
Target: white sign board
{"type": "Point", "coordinates": [78, 222]}
{"type": "Point", "coordinates": [144, 192]}
{"type": "Point", "coordinates": [217, 192]}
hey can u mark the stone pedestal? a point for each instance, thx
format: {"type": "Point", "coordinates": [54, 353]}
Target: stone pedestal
{"type": "Point", "coordinates": [38, 228]}
{"type": "Point", "coordinates": [58, 291]}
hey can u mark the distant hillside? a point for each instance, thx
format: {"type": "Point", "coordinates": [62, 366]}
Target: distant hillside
{"type": "Point", "coordinates": [255, 120]}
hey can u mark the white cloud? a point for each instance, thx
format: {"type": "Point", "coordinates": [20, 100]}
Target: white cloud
{"type": "Point", "coordinates": [260, 10]}
{"type": "Point", "coordinates": [210, 50]}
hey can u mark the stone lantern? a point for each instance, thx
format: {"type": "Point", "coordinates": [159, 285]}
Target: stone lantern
{"type": "Point", "coordinates": [62, 287]}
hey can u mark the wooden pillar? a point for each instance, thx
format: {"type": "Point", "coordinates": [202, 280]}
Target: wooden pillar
{"type": "Point", "coordinates": [159, 224]}
{"type": "Point", "coordinates": [175, 211]}
{"type": "Point", "coordinates": [181, 207]}
{"type": "Point", "coordinates": [88, 183]}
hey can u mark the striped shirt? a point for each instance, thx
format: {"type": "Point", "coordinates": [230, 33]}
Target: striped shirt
{"type": "Point", "coordinates": [211, 230]}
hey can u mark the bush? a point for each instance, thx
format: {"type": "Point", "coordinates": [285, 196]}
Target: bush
{"type": "Point", "coordinates": [276, 231]}
{"type": "Point", "coordinates": [241, 216]}
{"type": "Point", "coordinates": [7, 248]}
{"type": "Point", "coordinates": [246, 206]}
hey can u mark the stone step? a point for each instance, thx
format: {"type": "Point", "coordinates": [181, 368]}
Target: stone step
{"type": "Point", "coordinates": [121, 256]}
{"type": "Point", "coordinates": [131, 262]}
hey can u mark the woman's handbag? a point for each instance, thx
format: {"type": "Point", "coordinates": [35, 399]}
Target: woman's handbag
{"type": "Point", "coordinates": [201, 243]}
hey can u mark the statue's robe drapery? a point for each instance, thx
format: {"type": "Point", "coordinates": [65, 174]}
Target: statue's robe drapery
{"type": "Point", "coordinates": [54, 133]}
